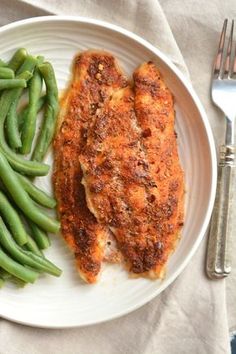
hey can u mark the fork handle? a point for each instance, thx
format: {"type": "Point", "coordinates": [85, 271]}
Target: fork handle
{"type": "Point", "coordinates": [220, 236]}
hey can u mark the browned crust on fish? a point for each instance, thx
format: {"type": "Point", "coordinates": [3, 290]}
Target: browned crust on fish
{"type": "Point", "coordinates": [95, 76]}
{"type": "Point", "coordinates": [154, 108]}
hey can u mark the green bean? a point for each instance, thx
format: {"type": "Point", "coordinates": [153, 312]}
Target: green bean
{"type": "Point", "coordinates": [35, 193]}
{"type": "Point", "coordinates": [22, 199]}
{"type": "Point", "coordinates": [40, 237]}
{"type": "Point", "coordinates": [17, 59]}
{"type": "Point", "coordinates": [32, 246]}
{"type": "Point", "coordinates": [17, 162]}
{"type": "Point", "coordinates": [16, 269]}
{"type": "Point", "coordinates": [50, 115]}
{"type": "Point", "coordinates": [24, 111]}
{"type": "Point", "coordinates": [25, 257]}
{"type": "Point", "coordinates": [13, 220]}
{"type": "Point", "coordinates": [30, 115]}
{"type": "Point", "coordinates": [29, 125]}
{"type": "Point", "coordinates": [28, 65]}
{"type": "Point", "coordinates": [12, 130]}
{"type": "Point", "coordinates": [6, 84]}
{"type": "Point", "coordinates": [2, 63]}
{"type": "Point", "coordinates": [6, 73]}
{"type": "Point", "coordinates": [45, 265]}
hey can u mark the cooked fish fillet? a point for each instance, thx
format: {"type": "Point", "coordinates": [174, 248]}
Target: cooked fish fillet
{"type": "Point", "coordinates": [95, 77]}
{"type": "Point", "coordinates": [154, 110]}
{"type": "Point", "coordinates": [121, 186]}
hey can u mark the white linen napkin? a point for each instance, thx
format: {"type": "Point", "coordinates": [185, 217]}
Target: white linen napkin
{"type": "Point", "coordinates": [190, 316]}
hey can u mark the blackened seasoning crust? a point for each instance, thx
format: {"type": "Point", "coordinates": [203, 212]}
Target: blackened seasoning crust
{"type": "Point", "coordinates": [87, 93]}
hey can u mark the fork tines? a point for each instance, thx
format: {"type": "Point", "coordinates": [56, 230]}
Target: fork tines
{"type": "Point", "coordinates": [225, 62]}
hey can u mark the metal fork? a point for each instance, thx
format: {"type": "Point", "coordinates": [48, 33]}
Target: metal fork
{"type": "Point", "coordinates": [223, 92]}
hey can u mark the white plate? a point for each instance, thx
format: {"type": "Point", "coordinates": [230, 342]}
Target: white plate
{"type": "Point", "coordinates": [66, 301]}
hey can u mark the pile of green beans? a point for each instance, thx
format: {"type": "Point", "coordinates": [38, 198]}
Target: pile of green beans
{"type": "Point", "coordinates": [24, 221]}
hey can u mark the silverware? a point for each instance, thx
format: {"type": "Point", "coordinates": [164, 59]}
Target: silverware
{"type": "Point", "coordinates": [223, 92]}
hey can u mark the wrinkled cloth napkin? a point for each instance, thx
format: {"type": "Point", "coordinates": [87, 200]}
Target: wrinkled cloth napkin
{"type": "Point", "coordinates": [190, 316]}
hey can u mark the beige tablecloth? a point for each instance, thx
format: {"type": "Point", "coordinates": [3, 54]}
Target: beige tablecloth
{"type": "Point", "coordinates": [190, 316]}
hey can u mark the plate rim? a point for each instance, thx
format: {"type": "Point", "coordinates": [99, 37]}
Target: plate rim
{"type": "Point", "coordinates": [212, 149]}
